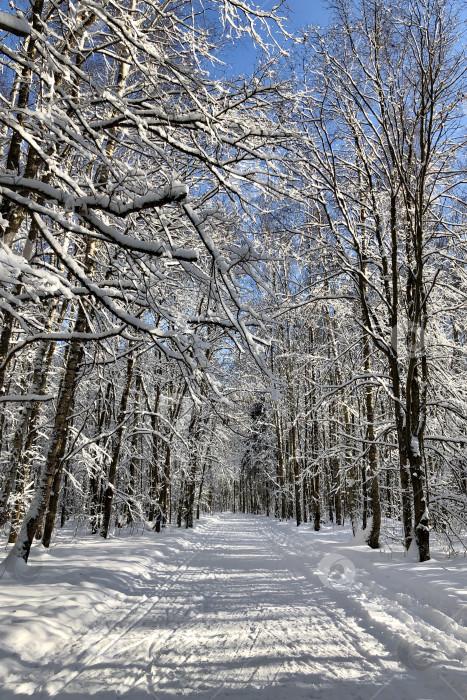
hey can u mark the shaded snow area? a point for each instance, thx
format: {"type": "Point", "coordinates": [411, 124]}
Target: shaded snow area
{"type": "Point", "coordinates": [241, 607]}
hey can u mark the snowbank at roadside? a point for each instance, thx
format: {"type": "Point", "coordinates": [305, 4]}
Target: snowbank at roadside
{"type": "Point", "coordinates": [67, 587]}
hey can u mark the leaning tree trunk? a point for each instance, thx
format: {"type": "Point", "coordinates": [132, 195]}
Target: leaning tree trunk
{"type": "Point", "coordinates": [18, 472]}
{"type": "Point", "coordinates": [52, 465]}
{"type": "Point", "coordinates": [56, 453]}
{"type": "Point", "coordinates": [54, 462]}
{"type": "Point", "coordinates": [135, 461]}
{"type": "Point", "coordinates": [44, 357]}
{"type": "Point", "coordinates": [414, 433]}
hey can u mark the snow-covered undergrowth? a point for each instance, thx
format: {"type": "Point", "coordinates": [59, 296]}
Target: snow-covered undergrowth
{"type": "Point", "coordinates": [243, 607]}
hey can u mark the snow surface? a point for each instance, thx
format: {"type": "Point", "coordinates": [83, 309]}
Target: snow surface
{"type": "Point", "coordinates": [241, 607]}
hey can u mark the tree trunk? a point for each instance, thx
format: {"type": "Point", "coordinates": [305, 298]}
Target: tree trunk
{"type": "Point", "coordinates": [373, 537]}
{"type": "Point", "coordinates": [56, 453]}
{"type": "Point", "coordinates": [109, 490]}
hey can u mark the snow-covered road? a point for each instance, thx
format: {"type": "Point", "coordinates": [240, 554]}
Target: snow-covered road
{"type": "Point", "coordinates": [247, 608]}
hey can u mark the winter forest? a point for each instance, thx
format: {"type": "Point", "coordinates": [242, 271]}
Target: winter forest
{"type": "Point", "coordinates": [233, 293]}
{"type": "Point", "coordinates": [233, 302]}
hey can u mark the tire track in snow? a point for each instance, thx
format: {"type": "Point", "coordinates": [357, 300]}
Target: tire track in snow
{"type": "Point", "coordinates": [247, 639]}
{"type": "Point", "coordinates": [150, 640]}
{"type": "Point", "coordinates": [100, 647]}
{"type": "Point", "coordinates": [259, 631]}
{"type": "Point", "coordinates": [181, 648]}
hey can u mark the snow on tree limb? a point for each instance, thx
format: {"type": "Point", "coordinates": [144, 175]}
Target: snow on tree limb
{"type": "Point", "coordinates": [154, 199]}
{"type": "Point", "coordinates": [21, 398]}
{"type": "Point", "coordinates": [14, 24]}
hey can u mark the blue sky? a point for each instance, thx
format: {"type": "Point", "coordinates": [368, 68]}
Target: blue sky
{"type": "Point", "coordinates": [307, 12]}
{"type": "Point", "coordinates": [242, 56]}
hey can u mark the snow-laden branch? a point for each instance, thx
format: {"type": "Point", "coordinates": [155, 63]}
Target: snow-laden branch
{"type": "Point", "coordinates": [101, 229]}
{"type": "Point", "coordinates": [63, 338]}
{"type": "Point", "coordinates": [20, 398]}
{"type": "Point", "coordinates": [73, 203]}
{"type": "Point", "coordinates": [36, 282]}
{"type": "Point", "coordinates": [19, 26]}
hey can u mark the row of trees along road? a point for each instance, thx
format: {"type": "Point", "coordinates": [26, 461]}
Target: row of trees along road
{"type": "Point", "coordinates": [243, 293]}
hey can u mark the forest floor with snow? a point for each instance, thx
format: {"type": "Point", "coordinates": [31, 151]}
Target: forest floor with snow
{"type": "Point", "coordinates": [240, 607]}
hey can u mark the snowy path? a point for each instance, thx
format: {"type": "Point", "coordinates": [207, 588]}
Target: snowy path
{"type": "Point", "coordinates": [247, 611]}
